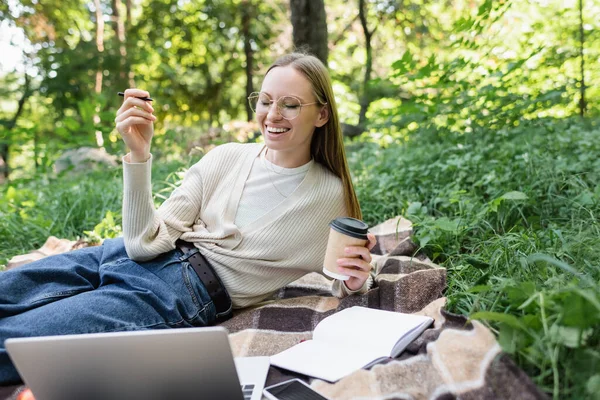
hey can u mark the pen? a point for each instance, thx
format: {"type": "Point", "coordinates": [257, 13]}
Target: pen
{"type": "Point", "coordinates": [141, 98]}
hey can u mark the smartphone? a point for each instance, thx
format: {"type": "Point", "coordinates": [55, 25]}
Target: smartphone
{"type": "Point", "coordinates": [294, 389]}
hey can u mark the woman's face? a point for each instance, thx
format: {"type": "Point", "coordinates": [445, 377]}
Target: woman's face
{"type": "Point", "coordinates": [288, 140]}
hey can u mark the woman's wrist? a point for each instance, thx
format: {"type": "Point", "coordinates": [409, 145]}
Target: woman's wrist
{"type": "Point", "coordinates": [138, 157]}
{"type": "Point", "coordinates": [353, 289]}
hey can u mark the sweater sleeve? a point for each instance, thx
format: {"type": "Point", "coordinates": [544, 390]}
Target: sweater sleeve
{"type": "Point", "coordinates": [338, 289]}
{"type": "Point", "coordinates": [149, 232]}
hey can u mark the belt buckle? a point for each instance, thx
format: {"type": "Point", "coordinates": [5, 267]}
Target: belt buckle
{"type": "Point", "coordinates": [187, 254]}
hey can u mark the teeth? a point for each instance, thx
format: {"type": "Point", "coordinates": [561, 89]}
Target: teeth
{"type": "Point", "coordinates": [277, 130]}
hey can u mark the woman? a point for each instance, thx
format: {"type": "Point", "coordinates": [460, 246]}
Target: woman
{"type": "Point", "coordinates": [246, 220]}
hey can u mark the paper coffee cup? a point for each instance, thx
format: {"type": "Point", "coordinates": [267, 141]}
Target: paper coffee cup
{"type": "Point", "coordinates": [344, 232]}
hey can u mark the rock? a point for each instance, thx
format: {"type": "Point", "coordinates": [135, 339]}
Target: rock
{"type": "Point", "coordinates": [234, 131]}
{"type": "Point", "coordinates": [84, 158]}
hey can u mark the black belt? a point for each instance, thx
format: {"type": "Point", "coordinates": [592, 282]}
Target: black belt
{"type": "Point", "coordinates": [209, 278]}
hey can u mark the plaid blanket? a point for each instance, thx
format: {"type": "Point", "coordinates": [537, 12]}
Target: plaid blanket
{"type": "Point", "coordinates": [454, 359]}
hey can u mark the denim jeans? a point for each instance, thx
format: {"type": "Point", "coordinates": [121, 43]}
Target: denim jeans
{"type": "Point", "coordinates": [98, 289]}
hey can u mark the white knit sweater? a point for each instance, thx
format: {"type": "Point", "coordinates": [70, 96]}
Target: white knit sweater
{"type": "Point", "coordinates": [267, 185]}
{"type": "Point", "coordinates": [254, 261]}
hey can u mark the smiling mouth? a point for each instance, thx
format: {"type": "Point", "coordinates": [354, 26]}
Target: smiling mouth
{"type": "Point", "coordinates": [276, 130]}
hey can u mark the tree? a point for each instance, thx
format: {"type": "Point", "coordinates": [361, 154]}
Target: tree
{"type": "Point", "coordinates": [364, 97]}
{"type": "Point", "coordinates": [203, 59]}
{"type": "Point", "coordinates": [100, 70]}
{"type": "Point", "coordinates": [582, 102]}
{"type": "Point", "coordinates": [310, 27]}
{"type": "Point", "coordinates": [246, 19]}
{"type": "Point", "coordinates": [9, 125]}
{"type": "Point", "coordinates": [120, 28]}
{"type": "Point", "coordinates": [356, 40]}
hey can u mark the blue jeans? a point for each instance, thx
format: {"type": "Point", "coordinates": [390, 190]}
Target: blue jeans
{"type": "Point", "coordinates": [98, 289]}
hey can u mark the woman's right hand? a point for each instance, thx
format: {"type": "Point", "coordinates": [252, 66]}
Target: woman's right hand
{"type": "Point", "coordinates": [135, 123]}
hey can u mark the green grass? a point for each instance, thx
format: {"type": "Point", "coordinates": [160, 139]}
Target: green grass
{"type": "Point", "coordinates": [73, 205]}
{"type": "Point", "coordinates": [512, 214]}
{"type": "Point", "coordinates": [514, 217]}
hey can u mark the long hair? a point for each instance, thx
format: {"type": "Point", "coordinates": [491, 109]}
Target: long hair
{"type": "Point", "coordinates": [327, 145]}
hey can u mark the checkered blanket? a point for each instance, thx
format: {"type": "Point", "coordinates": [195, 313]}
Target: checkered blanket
{"type": "Point", "coordinates": [454, 359]}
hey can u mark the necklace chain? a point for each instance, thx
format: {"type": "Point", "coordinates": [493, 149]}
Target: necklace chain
{"type": "Point", "coordinates": [271, 169]}
{"type": "Point", "coordinates": [272, 165]}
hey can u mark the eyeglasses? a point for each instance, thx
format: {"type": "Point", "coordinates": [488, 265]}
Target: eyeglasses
{"type": "Point", "coordinates": [288, 106]}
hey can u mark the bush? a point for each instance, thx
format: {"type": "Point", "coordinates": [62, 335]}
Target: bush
{"type": "Point", "coordinates": [513, 216]}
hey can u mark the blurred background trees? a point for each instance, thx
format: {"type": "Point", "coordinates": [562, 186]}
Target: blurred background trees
{"type": "Point", "coordinates": [395, 63]}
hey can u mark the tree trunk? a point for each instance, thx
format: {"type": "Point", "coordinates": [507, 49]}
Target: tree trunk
{"type": "Point", "coordinates": [130, 74]}
{"type": "Point", "coordinates": [99, 44]}
{"type": "Point", "coordinates": [310, 27]}
{"type": "Point", "coordinates": [582, 102]}
{"type": "Point", "coordinates": [119, 27]}
{"type": "Point", "coordinates": [99, 71]}
{"type": "Point", "coordinates": [127, 15]}
{"type": "Point", "coordinates": [364, 98]}
{"type": "Point", "coordinates": [246, 18]}
{"type": "Point", "coordinates": [4, 152]}
{"type": "Point", "coordinates": [5, 146]}
{"type": "Point", "coordinates": [36, 149]}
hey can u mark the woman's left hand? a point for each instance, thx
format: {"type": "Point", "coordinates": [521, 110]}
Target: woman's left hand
{"type": "Point", "coordinates": [358, 263]}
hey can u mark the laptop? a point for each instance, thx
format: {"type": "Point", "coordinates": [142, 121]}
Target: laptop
{"type": "Point", "coordinates": [186, 363]}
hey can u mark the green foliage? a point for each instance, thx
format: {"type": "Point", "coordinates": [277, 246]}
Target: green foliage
{"type": "Point", "coordinates": [483, 75]}
{"type": "Point", "coordinates": [193, 62]}
{"type": "Point", "coordinates": [513, 216]}
{"type": "Point", "coordinates": [72, 205]}
{"type": "Point", "coordinates": [182, 59]}
{"type": "Point", "coordinates": [106, 229]}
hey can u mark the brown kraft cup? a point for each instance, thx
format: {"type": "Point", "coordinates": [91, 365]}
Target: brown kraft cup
{"type": "Point", "coordinates": [344, 232]}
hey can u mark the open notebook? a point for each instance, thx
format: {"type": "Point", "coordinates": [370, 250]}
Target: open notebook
{"type": "Point", "coordinates": [351, 339]}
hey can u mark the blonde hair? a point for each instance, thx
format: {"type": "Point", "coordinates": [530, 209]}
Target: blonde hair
{"type": "Point", "coordinates": [327, 146]}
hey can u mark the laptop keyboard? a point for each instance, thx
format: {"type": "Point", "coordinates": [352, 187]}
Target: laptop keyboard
{"type": "Point", "coordinates": [247, 391]}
